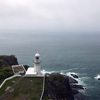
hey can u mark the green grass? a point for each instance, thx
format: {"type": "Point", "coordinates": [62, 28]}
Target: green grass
{"type": "Point", "coordinates": [26, 89]}
{"type": "Point", "coordinates": [8, 83]}
{"type": "Point", "coordinates": [5, 72]}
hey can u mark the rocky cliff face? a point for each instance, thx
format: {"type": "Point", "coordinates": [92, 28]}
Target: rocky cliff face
{"type": "Point", "coordinates": [61, 87]}
{"type": "Point", "coordinates": [6, 61]}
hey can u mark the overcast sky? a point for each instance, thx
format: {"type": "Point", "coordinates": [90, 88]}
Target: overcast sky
{"type": "Point", "coordinates": [67, 15]}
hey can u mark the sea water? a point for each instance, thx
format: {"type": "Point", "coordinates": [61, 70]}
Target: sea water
{"type": "Point", "coordinates": [61, 52]}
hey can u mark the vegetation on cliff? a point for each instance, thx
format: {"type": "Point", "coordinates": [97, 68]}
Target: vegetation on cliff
{"type": "Point", "coordinates": [5, 66]}
{"type": "Point", "coordinates": [61, 87]}
{"type": "Point", "coordinates": [5, 72]}
{"type": "Point", "coordinates": [57, 88]}
{"type": "Point", "coordinates": [26, 89]}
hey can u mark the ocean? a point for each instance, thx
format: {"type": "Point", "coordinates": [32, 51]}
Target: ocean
{"type": "Point", "coordinates": [61, 52]}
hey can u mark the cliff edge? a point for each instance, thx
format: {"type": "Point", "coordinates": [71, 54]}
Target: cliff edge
{"type": "Point", "coordinates": [62, 87]}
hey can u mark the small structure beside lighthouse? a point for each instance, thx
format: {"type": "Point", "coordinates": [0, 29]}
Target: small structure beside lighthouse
{"type": "Point", "coordinates": [36, 70]}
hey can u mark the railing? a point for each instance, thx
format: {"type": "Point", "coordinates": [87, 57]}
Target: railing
{"type": "Point", "coordinates": [43, 87]}
{"type": "Point", "coordinates": [11, 88]}
{"type": "Point", "coordinates": [17, 75]}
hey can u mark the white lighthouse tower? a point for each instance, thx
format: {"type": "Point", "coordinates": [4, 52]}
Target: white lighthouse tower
{"type": "Point", "coordinates": [36, 70]}
{"type": "Point", "coordinates": [37, 63]}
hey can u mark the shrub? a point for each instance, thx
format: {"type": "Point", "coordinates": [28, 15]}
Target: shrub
{"type": "Point", "coordinates": [5, 72]}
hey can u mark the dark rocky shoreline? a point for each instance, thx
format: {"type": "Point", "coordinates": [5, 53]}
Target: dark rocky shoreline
{"type": "Point", "coordinates": [61, 87]}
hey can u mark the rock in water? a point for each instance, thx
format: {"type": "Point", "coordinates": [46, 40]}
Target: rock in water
{"type": "Point", "coordinates": [74, 75]}
{"type": "Point", "coordinates": [77, 86]}
{"type": "Point", "coordinates": [98, 78]}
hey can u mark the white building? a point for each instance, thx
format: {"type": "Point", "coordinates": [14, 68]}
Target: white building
{"type": "Point", "coordinates": [36, 70]}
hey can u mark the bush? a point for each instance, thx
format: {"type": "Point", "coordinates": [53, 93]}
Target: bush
{"type": "Point", "coordinates": [5, 73]}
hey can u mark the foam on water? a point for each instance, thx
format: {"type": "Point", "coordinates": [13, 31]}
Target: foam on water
{"type": "Point", "coordinates": [44, 72]}
{"type": "Point", "coordinates": [80, 79]}
{"type": "Point", "coordinates": [97, 77]}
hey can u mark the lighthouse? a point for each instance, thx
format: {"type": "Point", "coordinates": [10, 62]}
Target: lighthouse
{"type": "Point", "coordinates": [36, 70]}
{"type": "Point", "coordinates": [37, 63]}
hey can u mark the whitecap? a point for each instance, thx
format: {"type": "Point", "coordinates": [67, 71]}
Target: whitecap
{"type": "Point", "coordinates": [97, 77]}
{"type": "Point", "coordinates": [49, 72]}
{"type": "Point", "coordinates": [80, 80]}
{"type": "Point", "coordinates": [44, 71]}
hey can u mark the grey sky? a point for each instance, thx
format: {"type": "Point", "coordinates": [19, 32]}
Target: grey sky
{"type": "Point", "coordinates": [68, 15]}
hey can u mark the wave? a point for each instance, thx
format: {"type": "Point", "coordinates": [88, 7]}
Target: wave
{"type": "Point", "coordinates": [63, 72]}
{"type": "Point", "coordinates": [97, 77]}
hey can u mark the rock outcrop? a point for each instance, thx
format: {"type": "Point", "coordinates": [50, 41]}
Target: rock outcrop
{"type": "Point", "coordinates": [61, 87]}
{"type": "Point", "coordinates": [74, 75]}
{"type": "Point", "coordinates": [6, 61]}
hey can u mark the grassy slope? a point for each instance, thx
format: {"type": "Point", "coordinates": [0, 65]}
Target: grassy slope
{"type": "Point", "coordinates": [26, 89]}
{"type": "Point", "coordinates": [8, 83]}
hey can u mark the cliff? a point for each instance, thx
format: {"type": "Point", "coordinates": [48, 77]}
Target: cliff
{"type": "Point", "coordinates": [61, 87]}
{"type": "Point", "coordinates": [6, 61]}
